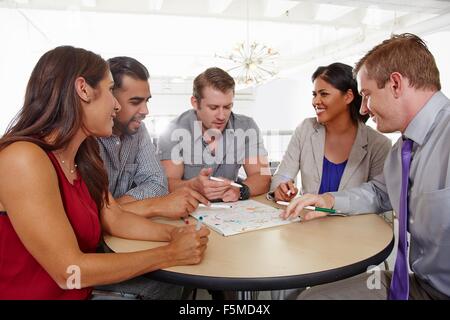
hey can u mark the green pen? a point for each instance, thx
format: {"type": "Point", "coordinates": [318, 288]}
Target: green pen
{"type": "Point", "coordinates": [330, 211]}
{"type": "Point", "coordinates": [322, 209]}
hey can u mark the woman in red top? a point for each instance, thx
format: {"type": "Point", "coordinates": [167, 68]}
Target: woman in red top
{"type": "Point", "coordinates": [54, 197]}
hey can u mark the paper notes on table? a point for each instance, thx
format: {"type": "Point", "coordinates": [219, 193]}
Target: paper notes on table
{"type": "Point", "coordinates": [243, 216]}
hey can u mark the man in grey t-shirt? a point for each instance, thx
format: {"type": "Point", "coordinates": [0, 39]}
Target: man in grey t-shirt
{"type": "Point", "coordinates": [205, 147]}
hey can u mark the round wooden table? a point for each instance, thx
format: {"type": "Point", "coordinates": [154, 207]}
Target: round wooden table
{"type": "Point", "coordinates": [296, 255]}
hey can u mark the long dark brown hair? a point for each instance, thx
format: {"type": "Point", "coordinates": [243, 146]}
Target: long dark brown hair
{"type": "Point", "coordinates": [51, 114]}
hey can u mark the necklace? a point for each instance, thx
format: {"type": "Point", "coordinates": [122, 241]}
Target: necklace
{"type": "Point", "coordinates": [72, 171]}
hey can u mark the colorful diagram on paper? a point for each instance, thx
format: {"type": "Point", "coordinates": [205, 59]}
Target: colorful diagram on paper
{"type": "Point", "coordinates": [244, 216]}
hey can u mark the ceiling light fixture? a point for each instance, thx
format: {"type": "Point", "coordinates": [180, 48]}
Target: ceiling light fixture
{"type": "Point", "coordinates": [254, 62]}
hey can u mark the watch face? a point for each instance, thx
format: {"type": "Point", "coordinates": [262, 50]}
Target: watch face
{"type": "Point", "coordinates": [244, 192]}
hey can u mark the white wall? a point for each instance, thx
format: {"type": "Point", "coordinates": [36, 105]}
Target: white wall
{"type": "Point", "coordinates": [284, 103]}
{"type": "Point", "coordinates": [280, 104]}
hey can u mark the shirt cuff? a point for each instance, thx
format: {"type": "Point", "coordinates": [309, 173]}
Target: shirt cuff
{"type": "Point", "coordinates": [341, 202]}
{"type": "Point", "coordinates": [144, 193]}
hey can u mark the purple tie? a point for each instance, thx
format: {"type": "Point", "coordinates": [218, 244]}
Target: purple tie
{"type": "Point", "coordinates": [400, 280]}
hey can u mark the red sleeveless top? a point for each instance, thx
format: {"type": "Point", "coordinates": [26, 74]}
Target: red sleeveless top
{"type": "Point", "coordinates": [21, 276]}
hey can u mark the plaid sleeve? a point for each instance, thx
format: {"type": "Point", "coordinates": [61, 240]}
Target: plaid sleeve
{"type": "Point", "coordinates": [149, 179]}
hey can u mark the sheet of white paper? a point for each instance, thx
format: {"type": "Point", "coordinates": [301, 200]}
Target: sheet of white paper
{"type": "Point", "coordinates": [246, 215]}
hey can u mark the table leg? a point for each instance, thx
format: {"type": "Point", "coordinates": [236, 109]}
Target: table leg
{"type": "Point", "coordinates": [248, 295]}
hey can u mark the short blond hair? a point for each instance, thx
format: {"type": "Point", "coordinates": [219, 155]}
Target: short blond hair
{"type": "Point", "coordinates": [212, 77]}
{"type": "Point", "coordinates": [404, 53]}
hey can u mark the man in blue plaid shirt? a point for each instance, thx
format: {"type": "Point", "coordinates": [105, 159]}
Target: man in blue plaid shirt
{"type": "Point", "coordinates": [136, 178]}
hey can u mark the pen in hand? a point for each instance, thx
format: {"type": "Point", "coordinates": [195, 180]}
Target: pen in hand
{"type": "Point", "coordinates": [322, 209]}
{"type": "Point", "coordinates": [331, 211]}
{"type": "Point", "coordinates": [288, 188]}
{"type": "Point", "coordinates": [234, 184]}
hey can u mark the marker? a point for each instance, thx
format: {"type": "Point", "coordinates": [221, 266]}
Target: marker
{"type": "Point", "coordinates": [234, 184]}
{"type": "Point", "coordinates": [284, 203]}
{"type": "Point", "coordinates": [322, 209]}
{"type": "Point", "coordinates": [215, 205]}
{"type": "Point", "coordinates": [199, 223]}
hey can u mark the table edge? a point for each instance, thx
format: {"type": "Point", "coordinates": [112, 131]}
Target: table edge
{"type": "Point", "coordinates": [267, 283]}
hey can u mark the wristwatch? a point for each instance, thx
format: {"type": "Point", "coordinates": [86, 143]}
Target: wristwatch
{"type": "Point", "coordinates": [270, 196]}
{"type": "Point", "coordinates": [244, 192]}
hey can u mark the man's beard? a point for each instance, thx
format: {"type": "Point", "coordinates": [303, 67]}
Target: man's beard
{"type": "Point", "coordinates": [125, 129]}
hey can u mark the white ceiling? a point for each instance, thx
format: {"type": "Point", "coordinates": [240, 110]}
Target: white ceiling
{"type": "Point", "coordinates": [179, 38]}
{"type": "Point", "coordinates": [301, 11]}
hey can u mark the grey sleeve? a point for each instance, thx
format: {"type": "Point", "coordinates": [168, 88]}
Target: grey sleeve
{"type": "Point", "coordinates": [256, 146]}
{"type": "Point", "coordinates": [168, 145]}
{"type": "Point", "coordinates": [290, 165]}
{"type": "Point", "coordinates": [370, 197]}
{"type": "Point", "coordinates": [250, 143]}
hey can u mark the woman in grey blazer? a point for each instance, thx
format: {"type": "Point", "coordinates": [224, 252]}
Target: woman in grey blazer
{"type": "Point", "coordinates": [335, 150]}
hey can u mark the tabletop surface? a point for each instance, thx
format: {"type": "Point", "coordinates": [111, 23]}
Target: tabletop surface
{"type": "Point", "coordinates": [288, 256]}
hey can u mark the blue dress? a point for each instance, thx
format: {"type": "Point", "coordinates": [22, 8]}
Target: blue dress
{"type": "Point", "coordinates": [331, 176]}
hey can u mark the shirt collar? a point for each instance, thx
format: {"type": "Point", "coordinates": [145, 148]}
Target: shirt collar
{"type": "Point", "coordinates": [422, 122]}
{"type": "Point", "coordinates": [230, 124]}
{"type": "Point", "coordinates": [194, 122]}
